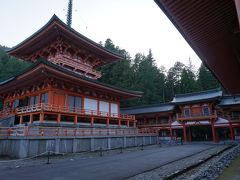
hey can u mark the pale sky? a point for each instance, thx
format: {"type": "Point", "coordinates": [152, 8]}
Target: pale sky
{"type": "Point", "coordinates": [134, 25]}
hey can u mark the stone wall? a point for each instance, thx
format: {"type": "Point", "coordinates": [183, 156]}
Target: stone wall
{"type": "Point", "coordinates": [21, 147]}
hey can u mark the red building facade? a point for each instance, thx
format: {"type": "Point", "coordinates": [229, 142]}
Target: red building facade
{"type": "Point", "coordinates": [61, 85]}
{"type": "Point", "coordinates": [200, 116]}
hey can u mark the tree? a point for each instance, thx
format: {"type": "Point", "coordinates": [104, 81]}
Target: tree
{"type": "Point", "coordinates": [206, 80]}
{"type": "Point", "coordinates": [10, 66]}
{"type": "Point", "coordinates": [188, 81]}
{"type": "Point", "coordinates": [174, 80]}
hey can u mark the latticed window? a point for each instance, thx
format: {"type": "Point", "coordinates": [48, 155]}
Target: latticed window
{"type": "Point", "coordinates": [206, 111]}
{"type": "Point", "coordinates": [15, 103]}
{"type": "Point", "coordinates": [44, 98]}
{"type": "Point", "coordinates": [236, 115]}
{"type": "Point", "coordinates": [186, 112]}
{"type": "Point", "coordinates": [33, 100]}
{"type": "Point", "coordinates": [74, 102]}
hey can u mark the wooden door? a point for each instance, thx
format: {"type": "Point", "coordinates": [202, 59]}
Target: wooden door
{"type": "Point", "coordinates": [59, 99]}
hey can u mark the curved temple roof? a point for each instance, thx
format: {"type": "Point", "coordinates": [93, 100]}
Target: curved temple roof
{"type": "Point", "coordinates": [43, 69]}
{"type": "Point", "coordinates": [230, 100]}
{"type": "Point", "coordinates": [202, 96]}
{"type": "Point", "coordinates": [154, 108]}
{"type": "Point", "coordinates": [54, 29]}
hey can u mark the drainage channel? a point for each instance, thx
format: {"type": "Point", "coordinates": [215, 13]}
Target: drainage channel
{"type": "Point", "coordinates": [196, 165]}
{"type": "Point", "coordinates": [166, 171]}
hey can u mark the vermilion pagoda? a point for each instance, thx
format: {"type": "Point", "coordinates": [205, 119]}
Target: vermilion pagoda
{"type": "Point", "coordinates": [61, 86]}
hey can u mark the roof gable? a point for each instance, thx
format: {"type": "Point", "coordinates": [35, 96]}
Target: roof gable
{"type": "Point", "coordinates": [45, 68]}
{"type": "Point", "coordinates": [202, 96]}
{"type": "Point", "coordinates": [154, 108]}
{"type": "Point", "coordinates": [54, 29]}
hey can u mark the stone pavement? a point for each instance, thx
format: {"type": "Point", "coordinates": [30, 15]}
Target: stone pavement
{"type": "Point", "coordinates": [113, 166]}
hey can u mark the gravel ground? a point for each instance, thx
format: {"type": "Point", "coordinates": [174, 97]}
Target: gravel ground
{"type": "Point", "coordinates": [212, 168]}
{"type": "Point", "coordinates": [167, 170]}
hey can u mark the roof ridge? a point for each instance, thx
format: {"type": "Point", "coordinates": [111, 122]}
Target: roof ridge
{"type": "Point", "coordinates": [148, 105]}
{"type": "Point", "coordinates": [198, 92]}
{"type": "Point", "coordinates": [55, 17]}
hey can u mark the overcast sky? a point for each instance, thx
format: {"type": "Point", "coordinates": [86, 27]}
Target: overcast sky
{"type": "Point", "coordinates": [134, 25]}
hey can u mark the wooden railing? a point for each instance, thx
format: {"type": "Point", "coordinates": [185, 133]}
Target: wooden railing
{"type": "Point", "coordinates": [181, 116]}
{"type": "Point", "coordinates": [63, 109]}
{"type": "Point", "coordinates": [6, 112]}
{"type": "Point", "coordinates": [75, 64]}
{"type": "Point", "coordinates": [61, 131]}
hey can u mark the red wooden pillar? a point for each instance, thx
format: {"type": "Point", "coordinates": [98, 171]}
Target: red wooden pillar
{"type": "Point", "coordinates": [107, 122]}
{"type": "Point", "coordinates": [119, 122]}
{"type": "Point", "coordinates": [59, 118]}
{"type": "Point", "coordinates": [231, 132]}
{"type": "Point", "coordinates": [21, 119]}
{"type": "Point", "coordinates": [75, 119]}
{"type": "Point", "coordinates": [214, 133]}
{"type": "Point", "coordinates": [39, 99]}
{"type": "Point", "coordinates": [92, 121]}
{"type": "Point", "coordinates": [50, 97]}
{"type": "Point", "coordinates": [134, 123]}
{"type": "Point", "coordinates": [31, 119]}
{"type": "Point", "coordinates": [189, 135]}
{"type": "Point", "coordinates": [184, 133]}
{"type": "Point", "coordinates": [41, 117]}
{"type": "Point", "coordinates": [127, 123]}
{"type": "Point", "coordinates": [66, 101]}
{"type": "Point", "coordinates": [171, 133]}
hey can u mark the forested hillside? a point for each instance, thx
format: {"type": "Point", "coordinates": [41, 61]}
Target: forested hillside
{"type": "Point", "coordinates": [137, 73]}
{"type": "Point", "coordinates": [9, 65]}
{"type": "Point", "coordinates": [158, 84]}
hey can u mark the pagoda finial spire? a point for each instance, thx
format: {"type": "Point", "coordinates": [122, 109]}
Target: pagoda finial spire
{"type": "Point", "coordinates": [69, 13]}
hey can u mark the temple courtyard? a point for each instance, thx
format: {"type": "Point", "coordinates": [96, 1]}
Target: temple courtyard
{"type": "Point", "coordinates": [133, 163]}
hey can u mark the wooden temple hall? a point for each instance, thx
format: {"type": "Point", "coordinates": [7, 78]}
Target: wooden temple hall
{"type": "Point", "coordinates": [61, 86]}
{"type": "Point", "coordinates": [200, 116]}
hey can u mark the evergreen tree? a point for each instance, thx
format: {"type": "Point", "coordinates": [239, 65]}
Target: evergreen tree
{"type": "Point", "coordinates": [9, 66]}
{"type": "Point", "coordinates": [206, 80]}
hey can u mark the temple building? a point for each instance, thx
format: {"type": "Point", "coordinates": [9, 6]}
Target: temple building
{"type": "Point", "coordinates": [199, 116]}
{"type": "Point", "coordinates": [61, 86]}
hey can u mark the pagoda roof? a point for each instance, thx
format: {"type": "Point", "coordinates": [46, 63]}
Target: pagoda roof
{"type": "Point", "coordinates": [228, 100]}
{"type": "Point", "coordinates": [54, 29]}
{"type": "Point", "coordinates": [152, 108]}
{"type": "Point", "coordinates": [211, 28]}
{"type": "Point", "coordinates": [202, 96]}
{"type": "Point", "coordinates": [43, 69]}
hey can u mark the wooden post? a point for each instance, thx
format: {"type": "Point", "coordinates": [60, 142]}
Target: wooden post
{"type": "Point", "coordinates": [31, 119]}
{"type": "Point", "coordinates": [119, 122]}
{"type": "Point", "coordinates": [92, 121]}
{"type": "Point", "coordinates": [127, 123]}
{"type": "Point", "coordinates": [75, 119]}
{"type": "Point", "coordinates": [189, 135]}
{"type": "Point", "coordinates": [107, 122]}
{"type": "Point", "coordinates": [171, 133]}
{"type": "Point", "coordinates": [59, 118]}
{"type": "Point", "coordinates": [214, 133]}
{"type": "Point", "coordinates": [184, 133]}
{"type": "Point", "coordinates": [21, 119]}
{"type": "Point", "coordinates": [41, 117]}
{"type": "Point", "coordinates": [39, 99]}
{"type": "Point", "coordinates": [134, 123]}
{"type": "Point", "coordinates": [231, 132]}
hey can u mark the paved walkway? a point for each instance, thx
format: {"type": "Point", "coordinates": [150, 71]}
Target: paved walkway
{"type": "Point", "coordinates": [115, 166]}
